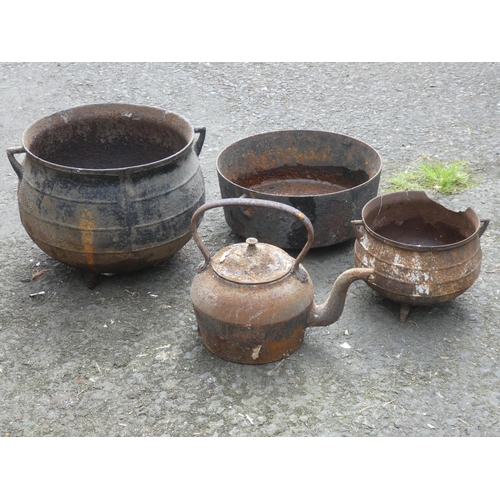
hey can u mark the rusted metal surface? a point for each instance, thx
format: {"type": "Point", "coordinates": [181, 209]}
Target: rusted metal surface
{"type": "Point", "coordinates": [327, 176]}
{"type": "Point", "coordinates": [109, 188]}
{"type": "Point", "coordinates": [251, 204]}
{"type": "Point", "coordinates": [421, 252]}
{"type": "Point", "coordinates": [251, 263]}
{"type": "Point", "coordinates": [330, 311]}
{"type": "Point", "coordinates": [252, 301]}
{"type": "Point", "coordinates": [251, 324]}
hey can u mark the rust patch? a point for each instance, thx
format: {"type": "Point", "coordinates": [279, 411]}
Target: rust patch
{"type": "Point", "coordinates": [87, 226]}
{"type": "Point", "coordinates": [250, 344]}
{"type": "Point", "coordinates": [302, 180]}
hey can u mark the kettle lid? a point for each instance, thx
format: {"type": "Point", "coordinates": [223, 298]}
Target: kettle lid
{"type": "Point", "coordinates": [251, 263]}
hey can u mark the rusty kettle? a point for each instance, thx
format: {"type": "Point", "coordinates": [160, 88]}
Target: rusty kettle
{"type": "Point", "coordinates": [253, 301]}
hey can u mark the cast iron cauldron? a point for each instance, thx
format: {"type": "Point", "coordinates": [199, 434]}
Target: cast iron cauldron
{"type": "Point", "coordinates": [327, 176]}
{"type": "Point", "coordinates": [109, 188]}
{"type": "Point", "coordinates": [422, 253]}
{"type": "Point", "coordinates": [253, 301]}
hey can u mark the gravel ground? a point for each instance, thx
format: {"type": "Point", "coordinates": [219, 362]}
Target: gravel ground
{"type": "Point", "coordinates": [125, 359]}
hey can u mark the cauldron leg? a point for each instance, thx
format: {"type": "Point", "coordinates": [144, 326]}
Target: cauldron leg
{"type": "Point", "coordinates": [92, 279]}
{"type": "Point", "coordinates": [403, 312]}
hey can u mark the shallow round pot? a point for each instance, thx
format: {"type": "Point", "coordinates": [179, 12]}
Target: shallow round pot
{"type": "Point", "coordinates": [422, 253]}
{"type": "Point", "coordinates": [109, 188]}
{"type": "Point", "coordinates": [328, 176]}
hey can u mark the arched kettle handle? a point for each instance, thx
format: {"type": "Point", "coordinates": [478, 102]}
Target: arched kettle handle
{"type": "Point", "coordinates": [482, 228]}
{"type": "Point", "coordinates": [18, 168]}
{"type": "Point", "coordinates": [252, 202]}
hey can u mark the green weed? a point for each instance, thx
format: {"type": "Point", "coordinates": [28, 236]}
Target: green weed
{"type": "Point", "coordinates": [446, 178]}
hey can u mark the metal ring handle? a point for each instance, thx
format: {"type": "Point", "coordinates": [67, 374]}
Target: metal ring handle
{"type": "Point", "coordinates": [356, 224]}
{"type": "Point", "coordinates": [201, 139]}
{"type": "Point", "coordinates": [482, 229]}
{"type": "Point", "coordinates": [252, 202]}
{"type": "Point", "coordinates": [18, 168]}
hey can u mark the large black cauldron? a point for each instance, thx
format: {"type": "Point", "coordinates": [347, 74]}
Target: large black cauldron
{"type": "Point", "coordinates": [109, 188]}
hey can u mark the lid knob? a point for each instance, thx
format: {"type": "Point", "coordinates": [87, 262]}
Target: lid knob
{"type": "Point", "coordinates": [252, 245]}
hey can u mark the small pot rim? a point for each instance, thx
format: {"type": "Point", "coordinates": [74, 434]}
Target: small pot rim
{"type": "Point", "coordinates": [419, 248]}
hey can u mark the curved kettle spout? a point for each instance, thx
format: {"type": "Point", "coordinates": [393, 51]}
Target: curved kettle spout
{"type": "Point", "coordinates": [329, 312]}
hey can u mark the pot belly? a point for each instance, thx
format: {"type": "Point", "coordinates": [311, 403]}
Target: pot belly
{"type": "Point", "coordinates": [251, 344]}
{"type": "Point", "coordinates": [251, 324]}
{"type": "Point", "coordinates": [419, 278]}
{"type": "Point", "coordinates": [109, 224]}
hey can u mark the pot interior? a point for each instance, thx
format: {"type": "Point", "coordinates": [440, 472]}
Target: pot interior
{"type": "Point", "coordinates": [299, 163]}
{"type": "Point", "coordinates": [413, 219]}
{"type": "Point", "coordinates": [107, 136]}
{"type": "Point", "coordinates": [303, 180]}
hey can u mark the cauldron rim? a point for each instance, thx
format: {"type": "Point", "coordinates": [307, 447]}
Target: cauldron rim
{"type": "Point", "coordinates": [469, 212]}
{"type": "Point", "coordinates": [108, 171]}
{"type": "Point", "coordinates": [264, 195]}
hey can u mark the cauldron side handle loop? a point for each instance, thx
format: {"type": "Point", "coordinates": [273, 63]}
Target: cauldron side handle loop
{"type": "Point", "coordinates": [355, 227]}
{"type": "Point", "coordinates": [201, 139]}
{"type": "Point", "coordinates": [253, 202]}
{"type": "Point", "coordinates": [18, 168]}
{"type": "Point", "coordinates": [482, 228]}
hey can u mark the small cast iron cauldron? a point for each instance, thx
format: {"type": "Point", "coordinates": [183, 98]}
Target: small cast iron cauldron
{"type": "Point", "coordinates": [253, 301]}
{"type": "Point", "coordinates": [421, 252]}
